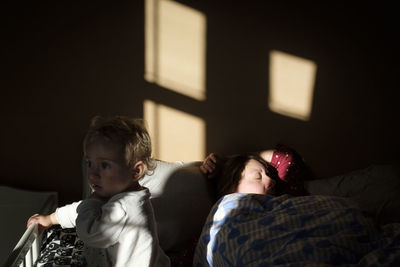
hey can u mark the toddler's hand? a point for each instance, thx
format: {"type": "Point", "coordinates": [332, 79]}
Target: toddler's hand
{"type": "Point", "coordinates": [44, 221]}
{"type": "Point", "coordinates": [209, 164]}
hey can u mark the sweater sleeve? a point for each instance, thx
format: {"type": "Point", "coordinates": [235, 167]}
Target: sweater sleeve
{"type": "Point", "coordinates": [98, 224]}
{"type": "Point", "coordinates": [291, 169]}
{"type": "Point", "coordinates": [66, 215]}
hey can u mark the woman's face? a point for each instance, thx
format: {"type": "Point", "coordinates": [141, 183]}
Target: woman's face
{"type": "Point", "coordinates": [254, 180]}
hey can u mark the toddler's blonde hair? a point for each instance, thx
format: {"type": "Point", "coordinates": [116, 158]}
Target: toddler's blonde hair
{"type": "Point", "coordinates": [130, 133]}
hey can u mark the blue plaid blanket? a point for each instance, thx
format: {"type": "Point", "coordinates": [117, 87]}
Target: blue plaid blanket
{"type": "Point", "coordinates": [260, 230]}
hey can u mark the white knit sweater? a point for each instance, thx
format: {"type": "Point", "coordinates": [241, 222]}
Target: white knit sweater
{"type": "Point", "coordinates": [121, 232]}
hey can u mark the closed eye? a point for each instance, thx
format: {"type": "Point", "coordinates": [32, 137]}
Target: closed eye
{"type": "Point", "coordinates": [257, 176]}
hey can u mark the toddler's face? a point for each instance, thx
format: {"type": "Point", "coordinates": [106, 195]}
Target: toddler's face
{"type": "Point", "coordinates": [107, 171]}
{"type": "Point", "coordinates": [254, 180]}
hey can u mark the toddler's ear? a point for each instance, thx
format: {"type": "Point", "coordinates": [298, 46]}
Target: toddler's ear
{"type": "Point", "coordinates": [139, 169]}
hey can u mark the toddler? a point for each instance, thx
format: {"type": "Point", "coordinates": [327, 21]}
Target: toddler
{"type": "Point", "coordinates": [116, 223]}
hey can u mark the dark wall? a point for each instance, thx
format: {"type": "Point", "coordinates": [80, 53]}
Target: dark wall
{"type": "Point", "coordinates": [65, 62]}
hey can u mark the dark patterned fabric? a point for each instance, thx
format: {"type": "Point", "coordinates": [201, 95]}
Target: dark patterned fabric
{"type": "Point", "coordinates": [61, 247]}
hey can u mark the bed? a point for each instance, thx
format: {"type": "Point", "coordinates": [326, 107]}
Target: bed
{"type": "Point", "coordinates": [16, 206]}
{"type": "Point", "coordinates": [185, 212]}
{"type": "Point", "coordinates": [348, 220]}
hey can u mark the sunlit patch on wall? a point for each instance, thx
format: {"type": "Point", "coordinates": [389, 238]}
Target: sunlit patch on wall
{"type": "Point", "coordinates": [176, 135]}
{"type": "Point", "coordinates": [291, 87]}
{"type": "Point", "coordinates": [175, 47]}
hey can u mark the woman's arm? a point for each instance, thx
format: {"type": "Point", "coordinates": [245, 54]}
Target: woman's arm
{"type": "Point", "coordinates": [209, 165]}
{"type": "Point", "coordinates": [267, 155]}
{"type": "Point", "coordinates": [290, 168]}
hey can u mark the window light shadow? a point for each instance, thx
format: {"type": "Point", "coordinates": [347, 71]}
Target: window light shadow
{"type": "Point", "coordinates": [175, 47]}
{"type": "Point", "coordinates": [291, 87]}
{"type": "Point", "coordinates": [176, 135]}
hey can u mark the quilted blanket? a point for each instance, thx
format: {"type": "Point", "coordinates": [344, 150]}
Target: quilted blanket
{"type": "Point", "coordinates": [261, 230]}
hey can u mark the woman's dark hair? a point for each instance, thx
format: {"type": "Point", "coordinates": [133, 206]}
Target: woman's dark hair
{"type": "Point", "coordinates": [229, 173]}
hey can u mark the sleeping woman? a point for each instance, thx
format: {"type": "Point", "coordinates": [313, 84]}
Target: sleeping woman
{"type": "Point", "coordinates": [264, 217]}
{"type": "Point", "coordinates": [274, 172]}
